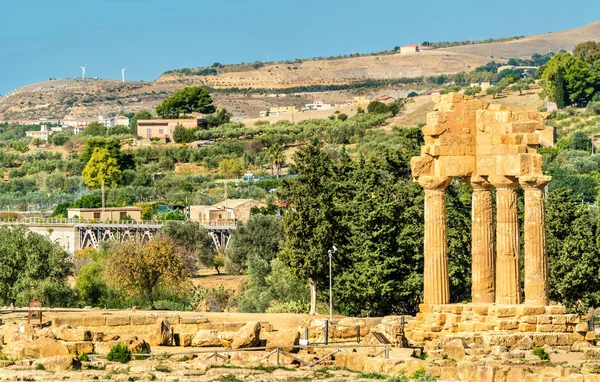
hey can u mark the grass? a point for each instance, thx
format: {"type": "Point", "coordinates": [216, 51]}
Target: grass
{"type": "Point", "coordinates": [184, 359]}
{"type": "Point", "coordinates": [162, 369]}
{"type": "Point", "coordinates": [373, 375]}
{"type": "Point", "coordinates": [39, 366]}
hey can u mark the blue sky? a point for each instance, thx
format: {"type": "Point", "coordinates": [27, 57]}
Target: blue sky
{"type": "Point", "coordinates": [40, 39]}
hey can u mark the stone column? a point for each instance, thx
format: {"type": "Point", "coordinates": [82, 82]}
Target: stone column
{"type": "Point", "coordinates": [536, 259]}
{"type": "Point", "coordinates": [482, 242]}
{"type": "Point", "coordinates": [508, 286]}
{"type": "Point", "coordinates": [436, 245]}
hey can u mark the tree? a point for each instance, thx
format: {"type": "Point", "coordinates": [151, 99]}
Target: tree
{"type": "Point", "coordinates": [193, 242]}
{"type": "Point", "coordinates": [588, 51]}
{"type": "Point", "coordinates": [573, 261]}
{"type": "Point", "coordinates": [311, 228]}
{"type": "Point", "coordinates": [141, 115]}
{"type": "Point", "coordinates": [231, 167]}
{"type": "Point", "coordinates": [520, 87]}
{"type": "Point", "coordinates": [221, 117]}
{"type": "Point", "coordinates": [31, 266]}
{"type": "Point", "coordinates": [72, 145]}
{"type": "Point", "coordinates": [59, 139]}
{"type": "Point", "coordinates": [141, 268]}
{"type": "Point", "coordinates": [580, 80]}
{"type": "Point", "coordinates": [473, 90]}
{"type": "Point", "coordinates": [276, 153]}
{"type": "Point", "coordinates": [493, 91]}
{"type": "Point", "coordinates": [185, 101]}
{"type": "Point", "coordinates": [182, 135]}
{"type": "Point", "coordinates": [260, 236]}
{"type": "Point", "coordinates": [560, 91]}
{"type": "Point", "coordinates": [342, 116]}
{"type": "Point", "coordinates": [37, 142]}
{"type": "Point", "coordinates": [94, 129]}
{"type": "Point", "coordinates": [377, 107]}
{"type": "Point", "coordinates": [101, 171]}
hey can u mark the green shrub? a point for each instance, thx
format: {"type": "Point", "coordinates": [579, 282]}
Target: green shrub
{"type": "Point", "coordinates": [540, 352]}
{"type": "Point", "coordinates": [119, 353]}
{"type": "Point", "coordinates": [83, 357]}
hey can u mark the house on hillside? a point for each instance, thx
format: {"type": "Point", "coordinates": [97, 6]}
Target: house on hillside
{"type": "Point", "coordinates": [163, 128]}
{"type": "Point", "coordinates": [385, 99]}
{"type": "Point", "coordinates": [225, 213]}
{"type": "Point", "coordinates": [112, 213]}
{"type": "Point", "coordinates": [317, 105]}
{"type": "Point", "coordinates": [281, 110]}
{"type": "Point", "coordinates": [121, 120]}
{"type": "Point", "coordinates": [42, 134]}
{"type": "Point", "coordinates": [409, 49]}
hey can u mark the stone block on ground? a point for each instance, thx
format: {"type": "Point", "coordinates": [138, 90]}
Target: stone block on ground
{"type": "Point", "coordinates": [183, 339]}
{"type": "Point", "coordinates": [248, 336]}
{"type": "Point", "coordinates": [206, 338]}
{"type": "Point", "coordinates": [162, 334]}
{"type": "Point", "coordinates": [40, 348]}
{"type": "Point", "coordinates": [226, 339]}
{"type": "Point", "coordinates": [58, 363]}
{"type": "Point", "coordinates": [284, 339]}
{"type": "Point", "coordinates": [118, 320]}
{"type": "Point", "coordinates": [69, 333]}
{"type": "Point", "coordinates": [80, 347]}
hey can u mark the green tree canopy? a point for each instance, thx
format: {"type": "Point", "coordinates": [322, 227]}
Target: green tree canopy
{"type": "Point", "coordinates": [185, 101]}
{"type": "Point", "coordinates": [31, 266]}
{"type": "Point", "coordinates": [141, 115]}
{"type": "Point", "coordinates": [101, 171]}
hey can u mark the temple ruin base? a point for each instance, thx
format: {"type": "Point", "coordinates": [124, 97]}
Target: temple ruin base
{"type": "Point", "coordinates": [485, 326]}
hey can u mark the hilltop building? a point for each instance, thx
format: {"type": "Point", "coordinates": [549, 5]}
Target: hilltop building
{"type": "Point", "coordinates": [317, 105]}
{"type": "Point", "coordinates": [358, 102]}
{"type": "Point", "coordinates": [163, 128]}
{"type": "Point", "coordinates": [114, 121]}
{"type": "Point", "coordinates": [409, 49]}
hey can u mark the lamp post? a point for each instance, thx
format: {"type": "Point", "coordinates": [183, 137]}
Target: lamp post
{"type": "Point", "coordinates": [331, 252]}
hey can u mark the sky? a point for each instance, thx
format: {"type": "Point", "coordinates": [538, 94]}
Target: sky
{"type": "Point", "coordinates": [41, 39]}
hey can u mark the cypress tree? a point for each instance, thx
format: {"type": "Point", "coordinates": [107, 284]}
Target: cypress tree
{"type": "Point", "coordinates": [560, 91]}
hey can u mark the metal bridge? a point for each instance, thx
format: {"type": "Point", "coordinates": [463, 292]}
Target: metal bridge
{"type": "Point", "coordinates": [75, 234]}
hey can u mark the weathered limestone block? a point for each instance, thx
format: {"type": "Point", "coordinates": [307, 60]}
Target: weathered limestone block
{"type": "Point", "coordinates": [226, 339]}
{"type": "Point", "coordinates": [118, 320]}
{"type": "Point", "coordinates": [58, 363]}
{"type": "Point", "coordinates": [248, 336]}
{"type": "Point", "coordinates": [93, 320]}
{"type": "Point", "coordinates": [206, 338]}
{"type": "Point", "coordinates": [142, 319]}
{"type": "Point", "coordinates": [455, 349]}
{"type": "Point", "coordinates": [183, 339]}
{"type": "Point", "coordinates": [68, 333]}
{"type": "Point", "coordinates": [80, 347]}
{"type": "Point", "coordinates": [162, 334]}
{"type": "Point", "coordinates": [40, 348]}
{"type": "Point", "coordinates": [284, 339]}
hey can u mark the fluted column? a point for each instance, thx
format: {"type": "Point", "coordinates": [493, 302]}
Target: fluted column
{"type": "Point", "coordinates": [536, 259]}
{"type": "Point", "coordinates": [508, 286]}
{"type": "Point", "coordinates": [482, 241]}
{"type": "Point", "coordinates": [436, 245]}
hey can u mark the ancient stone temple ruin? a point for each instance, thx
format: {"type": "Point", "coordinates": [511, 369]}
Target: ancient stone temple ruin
{"type": "Point", "coordinates": [490, 147]}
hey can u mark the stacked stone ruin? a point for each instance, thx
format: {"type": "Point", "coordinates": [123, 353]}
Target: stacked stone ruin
{"type": "Point", "coordinates": [490, 147]}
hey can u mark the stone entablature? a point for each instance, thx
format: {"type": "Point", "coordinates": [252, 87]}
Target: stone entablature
{"type": "Point", "coordinates": [490, 147]}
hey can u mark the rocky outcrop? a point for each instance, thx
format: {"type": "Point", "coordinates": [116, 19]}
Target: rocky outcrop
{"type": "Point", "coordinates": [40, 348]}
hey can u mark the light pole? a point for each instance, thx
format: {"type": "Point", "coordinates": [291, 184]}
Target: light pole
{"type": "Point", "coordinates": [331, 252]}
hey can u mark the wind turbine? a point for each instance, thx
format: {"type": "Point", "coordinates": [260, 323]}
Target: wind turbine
{"type": "Point", "coordinates": [123, 74]}
{"type": "Point", "coordinates": [83, 71]}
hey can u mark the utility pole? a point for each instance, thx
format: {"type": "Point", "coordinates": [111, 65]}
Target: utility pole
{"type": "Point", "coordinates": [331, 252]}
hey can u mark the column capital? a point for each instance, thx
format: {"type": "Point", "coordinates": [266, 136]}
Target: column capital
{"type": "Point", "coordinates": [434, 182]}
{"type": "Point", "coordinates": [534, 181]}
{"type": "Point", "coordinates": [477, 182]}
{"type": "Point", "coordinates": [503, 182]}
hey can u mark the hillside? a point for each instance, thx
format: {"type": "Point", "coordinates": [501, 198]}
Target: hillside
{"type": "Point", "coordinates": [90, 98]}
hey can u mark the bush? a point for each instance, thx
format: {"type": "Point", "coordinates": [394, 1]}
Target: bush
{"type": "Point", "coordinates": [83, 357]}
{"type": "Point", "coordinates": [119, 353]}
{"type": "Point", "coordinates": [540, 352]}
